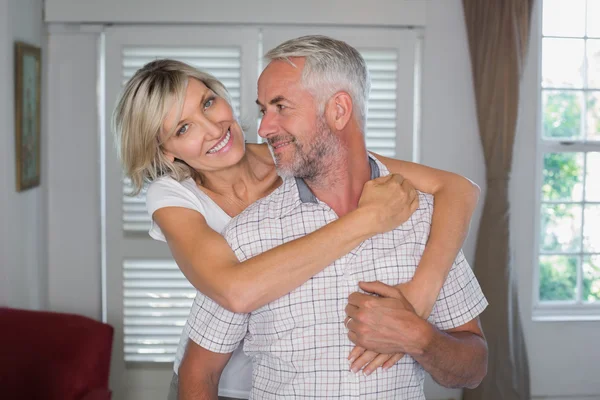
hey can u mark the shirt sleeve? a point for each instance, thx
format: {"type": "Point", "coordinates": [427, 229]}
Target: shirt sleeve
{"type": "Point", "coordinates": [167, 192]}
{"type": "Point", "coordinates": [461, 299]}
{"type": "Point", "coordinates": [215, 328]}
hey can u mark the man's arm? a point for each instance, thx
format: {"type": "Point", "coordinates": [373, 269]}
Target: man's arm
{"type": "Point", "coordinates": [455, 358]}
{"type": "Point", "coordinates": [199, 373]}
{"type": "Point", "coordinates": [388, 324]}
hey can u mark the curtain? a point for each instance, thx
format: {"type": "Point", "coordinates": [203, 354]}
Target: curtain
{"type": "Point", "coordinates": [498, 33]}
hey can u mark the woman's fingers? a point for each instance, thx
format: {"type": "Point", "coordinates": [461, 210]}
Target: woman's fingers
{"type": "Point", "coordinates": [392, 360]}
{"type": "Point", "coordinates": [369, 361]}
{"type": "Point", "coordinates": [364, 359]}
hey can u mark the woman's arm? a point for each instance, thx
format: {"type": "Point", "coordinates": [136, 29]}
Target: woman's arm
{"type": "Point", "coordinates": [210, 265]}
{"type": "Point", "coordinates": [455, 199]}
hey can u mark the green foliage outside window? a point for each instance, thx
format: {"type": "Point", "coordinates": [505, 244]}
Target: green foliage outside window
{"type": "Point", "coordinates": [562, 175]}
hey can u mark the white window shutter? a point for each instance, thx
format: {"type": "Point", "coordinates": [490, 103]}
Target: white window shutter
{"type": "Point", "coordinates": [156, 295]}
{"type": "Point", "coordinates": [380, 132]}
{"type": "Point", "coordinates": [156, 303]}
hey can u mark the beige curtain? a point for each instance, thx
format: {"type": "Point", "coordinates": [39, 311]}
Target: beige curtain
{"type": "Point", "coordinates": [498, 32]}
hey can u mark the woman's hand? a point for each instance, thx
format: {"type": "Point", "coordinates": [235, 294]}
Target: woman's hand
{"type": "Point", "coordinates": [388, 201]}
{"type": "Point", "coordinates": [369, 361]}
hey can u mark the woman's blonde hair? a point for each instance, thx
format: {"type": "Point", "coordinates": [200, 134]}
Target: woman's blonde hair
{"type": "Point", "coordinates": [141, 110]}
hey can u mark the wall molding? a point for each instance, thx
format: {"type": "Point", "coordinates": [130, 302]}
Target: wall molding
{"type": "Point", "coordinates": [336, 12]}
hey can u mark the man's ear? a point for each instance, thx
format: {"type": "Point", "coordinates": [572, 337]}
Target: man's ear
{"type": "Point", "coordinates": [339, 110]}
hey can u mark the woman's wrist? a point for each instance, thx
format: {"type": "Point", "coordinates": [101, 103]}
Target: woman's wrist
{"type": "Point", "coordinates": [365, 222]}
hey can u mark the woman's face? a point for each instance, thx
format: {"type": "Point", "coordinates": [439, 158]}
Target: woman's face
{"type": "Point", "coordinates": [207, 136]}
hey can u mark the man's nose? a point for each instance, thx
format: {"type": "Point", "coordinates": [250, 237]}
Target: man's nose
{"type": "Point", "coordinates": [268, 125]}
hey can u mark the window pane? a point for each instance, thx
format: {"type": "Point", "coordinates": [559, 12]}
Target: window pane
{"type": "Point", "coordinates": [563, 173]}
{"type": "Point", "coordinates": [593, 115]}
{"type": "Point", "coordinates": [593, 68]}
{"type": "Point", "coordinates": [593, 16]}
{"type": "Point", "coordinates": [564, 21]}
{"type": "Point", "coordinates": [562, 63]}
{"type": "Point", "coordinates": [592, 180]}
{"type": "Point", "coordinates": [561, 114]}
{"type": "Point", "coordinates": [591, 278]}
{"type": "Point", "coordinates": [558, 278]}
{"type": "Point", "coordinates": [561, 228]}
{"type": "Point", "coordinates": [591, 229]}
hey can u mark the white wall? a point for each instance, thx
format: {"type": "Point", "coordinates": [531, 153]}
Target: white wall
{"type": "Point", "coordinates": [22, 215]}
{"type": "Point", "coordinates": [74, 175]}
{"type": "Point", "coordinates": [450, 136]}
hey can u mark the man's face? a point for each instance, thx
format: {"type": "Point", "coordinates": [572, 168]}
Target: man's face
{"type": "Point", "coordinates": [300, 140]}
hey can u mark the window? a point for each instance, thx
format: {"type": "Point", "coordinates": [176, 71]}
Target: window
{"type": "Point", "coordinates": [569, 144]}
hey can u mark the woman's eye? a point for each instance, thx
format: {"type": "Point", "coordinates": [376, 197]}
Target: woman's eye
{"type": "Point", "coordinates": [183, 129]}
{"type": "Point", "coordinates": [209, 103]}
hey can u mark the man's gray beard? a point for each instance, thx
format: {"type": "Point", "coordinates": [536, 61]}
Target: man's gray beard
{"type": "Point", "coordinates": [318, 160]}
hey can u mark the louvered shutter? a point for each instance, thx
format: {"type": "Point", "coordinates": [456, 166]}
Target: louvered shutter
{"type": "Point", "coordinates": [156, 295]}
{"type": "Point", "coordinates": [156, 301]}
{"type": "Point", "coordinates": [380, 132]}
{"type": "Point", "coordinates": [147, 297]}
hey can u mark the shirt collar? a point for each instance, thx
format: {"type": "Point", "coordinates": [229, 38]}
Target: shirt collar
{"type": "Point", "coordinates": [307, 196]}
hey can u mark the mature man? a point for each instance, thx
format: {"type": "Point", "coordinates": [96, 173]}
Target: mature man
{"type": "Point", "coordinates": [313, 97]}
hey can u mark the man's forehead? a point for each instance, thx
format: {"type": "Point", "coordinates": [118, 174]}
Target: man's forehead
{"type": "Point", "coordinates": [281, 72]}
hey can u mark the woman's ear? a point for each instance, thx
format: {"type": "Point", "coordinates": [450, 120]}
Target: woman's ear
{"type": "Point", "coordinates": [168, 155]}
{"type": "Point", "coordinates": [339, 110]}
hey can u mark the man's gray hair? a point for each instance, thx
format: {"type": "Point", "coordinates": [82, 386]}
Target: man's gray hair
{"type": "Point", "coordinates": [330, 66]}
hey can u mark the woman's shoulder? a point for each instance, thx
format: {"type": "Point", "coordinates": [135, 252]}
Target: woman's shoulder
{"type": "Point", "coordinates": [168, 183]}
{"type": "Point", "coordinates": [165, 191]}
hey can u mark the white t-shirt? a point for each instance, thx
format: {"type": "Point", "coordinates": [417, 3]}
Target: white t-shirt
{"type": "Point", "coordinates": [236, 379]}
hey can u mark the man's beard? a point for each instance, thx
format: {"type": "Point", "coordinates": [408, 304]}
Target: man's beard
{"type": "Point", "coordinates": [315, 158]}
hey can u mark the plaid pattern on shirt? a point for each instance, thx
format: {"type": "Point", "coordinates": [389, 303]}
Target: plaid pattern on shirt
{"type": "Point", "coordinates": [299, 343]}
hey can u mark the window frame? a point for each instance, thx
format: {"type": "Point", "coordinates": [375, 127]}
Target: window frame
{"type": "Point", "coordinates": [557, 310]}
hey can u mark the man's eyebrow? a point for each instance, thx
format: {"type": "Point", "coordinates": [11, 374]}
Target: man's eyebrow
{"type": "Point", "coordinates": [274, 100]}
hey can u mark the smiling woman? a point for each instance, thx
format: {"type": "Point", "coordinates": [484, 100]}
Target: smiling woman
{"type": "Point", "coordinates": [204, 132]}
{"type": "Point", "coordinates": [177, 131]}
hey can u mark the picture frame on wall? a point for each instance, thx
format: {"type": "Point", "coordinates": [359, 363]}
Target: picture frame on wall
{"type": "Point", "coordinates": [27, 115]}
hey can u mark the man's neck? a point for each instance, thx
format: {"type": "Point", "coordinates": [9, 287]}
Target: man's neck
{"type": "Point", "coordinates": [341, 187]}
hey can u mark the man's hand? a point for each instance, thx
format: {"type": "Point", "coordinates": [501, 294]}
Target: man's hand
{"type": "Point", "coordinates": [385, 321]}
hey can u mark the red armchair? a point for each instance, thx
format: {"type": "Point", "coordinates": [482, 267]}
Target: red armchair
{"type": "Point", "coordinates": [53, 356]}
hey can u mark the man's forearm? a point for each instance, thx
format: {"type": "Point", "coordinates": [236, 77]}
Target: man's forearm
{"type": "Point", "coordinates": [199, 373]}
{"type": "Point", "coordinates": [454, 359]}
{"type": "Point", "coordinates": [192, 388]}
